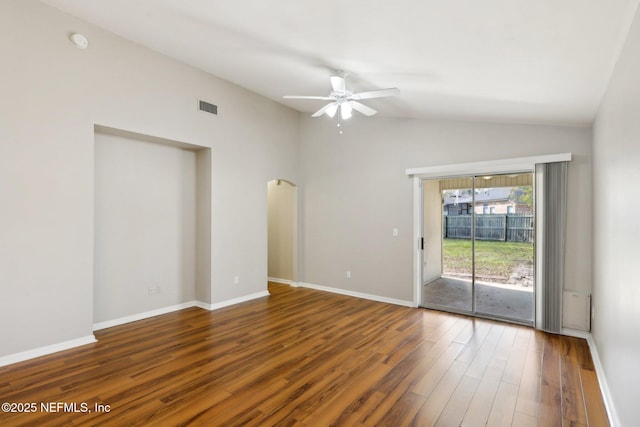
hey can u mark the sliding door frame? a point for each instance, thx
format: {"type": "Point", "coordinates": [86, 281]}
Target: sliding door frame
{"type": "Point", "coordinates": [503, 166]}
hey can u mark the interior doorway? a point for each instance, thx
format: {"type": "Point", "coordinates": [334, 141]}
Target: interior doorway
{"type": "Point", "coordinates": [478, 245]}
{"type": "Point", "coordinates": [282, 200]}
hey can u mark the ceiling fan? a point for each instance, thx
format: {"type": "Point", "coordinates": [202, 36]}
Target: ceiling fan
{"type": "Point", "coordinates": [345, 101]}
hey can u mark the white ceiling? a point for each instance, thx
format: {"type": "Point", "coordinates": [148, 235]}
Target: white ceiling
{"type": "Point", "coordinates": [530, 61]}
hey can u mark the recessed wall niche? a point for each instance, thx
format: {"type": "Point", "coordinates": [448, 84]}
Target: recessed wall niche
{"type": "Point", "coordinates": [152, 224]}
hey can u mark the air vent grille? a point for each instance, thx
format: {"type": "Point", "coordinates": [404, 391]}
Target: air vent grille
{"type": "Point", "coordinates": [209, 108]}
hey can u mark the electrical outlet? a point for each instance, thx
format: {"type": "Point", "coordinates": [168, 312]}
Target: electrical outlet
{"type": "Point", "coordinates": [151, 290]}
{"type": "Point", "coordinates": [348, 275]}
{"type": "Point", "coordinates": [236, 280]}
{"type": "Point", "coordinates": [395, 232]}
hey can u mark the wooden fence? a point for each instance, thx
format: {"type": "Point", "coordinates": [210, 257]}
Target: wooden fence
{"type": "Point", "coordinates": [506, 228]}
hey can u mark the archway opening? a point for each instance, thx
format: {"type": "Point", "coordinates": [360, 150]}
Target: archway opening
{"type": "Point", "coordinates": [282, 197]}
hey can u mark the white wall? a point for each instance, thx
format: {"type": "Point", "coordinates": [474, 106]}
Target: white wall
{"type": "Point", "coordinates": [616, 233]}
{"type": "Point", "coordinates": [52, 95]}
{"type": "Point", "coordinates": [203, 226]}
{"type": "Point", "coordinates": [354, 191]}
{"type": "Point", "coordinates": [145, 226]}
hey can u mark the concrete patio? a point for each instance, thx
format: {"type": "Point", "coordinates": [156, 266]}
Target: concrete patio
{"type": "Point", "coordinates": [492, 299]}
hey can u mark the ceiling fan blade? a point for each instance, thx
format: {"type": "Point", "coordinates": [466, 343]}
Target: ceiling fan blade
{"type": "Point", "coordinates": [376, 93]}
{"type": "Point", "coordinates": [332, 106]}
{"type": "Point", "coordinates": [324, 98]}
{"type": "Point", "coordinates": [367, 111]}
{"type": "Point", "coordinates": [338, 85]}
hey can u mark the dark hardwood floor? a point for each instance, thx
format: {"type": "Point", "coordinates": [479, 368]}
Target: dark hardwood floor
{"type": "Point", "coordinates": [302, 357]}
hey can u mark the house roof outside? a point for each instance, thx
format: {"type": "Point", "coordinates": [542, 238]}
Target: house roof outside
{"type": "Point", "coordinates": [482, 196]}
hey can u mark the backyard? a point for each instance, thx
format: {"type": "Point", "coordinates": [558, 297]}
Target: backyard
{"type": "Point", "coordinates": [496, 261]}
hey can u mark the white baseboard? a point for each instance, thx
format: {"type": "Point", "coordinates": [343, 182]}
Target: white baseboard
{"type": "Point", "coordinates": [202, 305]}
{"type": "Point", "coordinates": [42, 351]}
{"type": "Point", "coordinates": [283, 281]}
{"type": "Point", "coordinates": [614, 420]}
{"type": "Point", "coordinates": [172, 308]}
{"type": "Point", "coordinates": [238, 300]}
{"type": "Point", "coordinates": [358, 295]}
{"type": "Point", "coordinates": [144, 315]}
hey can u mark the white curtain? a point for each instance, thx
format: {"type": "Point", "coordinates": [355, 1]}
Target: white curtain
{"type": "Point", "coordinates": [551, 207]}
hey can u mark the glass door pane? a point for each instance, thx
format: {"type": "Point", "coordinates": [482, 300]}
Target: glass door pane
{"type": "Point", "coordinates": [448, 246]}
{"type": "Point", "coordinates": [504, 236]}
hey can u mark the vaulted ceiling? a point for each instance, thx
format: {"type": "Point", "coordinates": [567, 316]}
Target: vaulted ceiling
{"type": "Point", "coordinates": [543, 61]}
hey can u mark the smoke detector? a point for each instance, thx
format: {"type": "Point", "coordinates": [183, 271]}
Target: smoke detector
{"type": "Point", "coordinates": [79, 40]}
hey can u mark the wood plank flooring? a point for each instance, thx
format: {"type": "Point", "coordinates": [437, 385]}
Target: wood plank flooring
{"type": "Point", "coordinates": [302, 357]}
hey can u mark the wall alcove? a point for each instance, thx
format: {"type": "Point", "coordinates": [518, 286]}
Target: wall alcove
{"type": "Point", "coordinates": [152, 225]}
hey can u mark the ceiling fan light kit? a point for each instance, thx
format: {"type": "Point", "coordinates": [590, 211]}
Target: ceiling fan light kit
{"type": "Point", "coordinates": [345, 110]}
{"type": "Point", "coordinates": [345, 101]}
{"type": "Point", "coordinates": [331, 110]}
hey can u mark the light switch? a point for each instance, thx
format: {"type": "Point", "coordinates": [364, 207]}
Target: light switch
{"type": "Point", "coordinates": [395, 232]}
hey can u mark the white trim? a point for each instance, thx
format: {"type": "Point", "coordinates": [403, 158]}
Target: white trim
{"type": "Point", "coordinates": [493, 166]}
{"type": "Point", "coordinates": [238, 300]}
{"type": "Point", "coordinates": [143, 315]}
{"type": "Point", "coordinates": [283, 281]}
{"type": "Point", "coordinates": [42, 351]}
{"type": "Point", "coordinates": [418, 224]}
{"type": "Point", "coordinates": [614, 420]}
{"type": "Point", "coordinates": [358, 295]}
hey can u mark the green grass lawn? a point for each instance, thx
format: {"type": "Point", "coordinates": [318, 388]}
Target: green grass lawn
{"type": "Point", "coordinates": [494, 260]}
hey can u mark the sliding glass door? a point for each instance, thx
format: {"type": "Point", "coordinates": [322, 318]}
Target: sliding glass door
{"type": "Point", "coordinates": [478, 246]}
{"type": "Point", "coordinates": [448, 247]}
